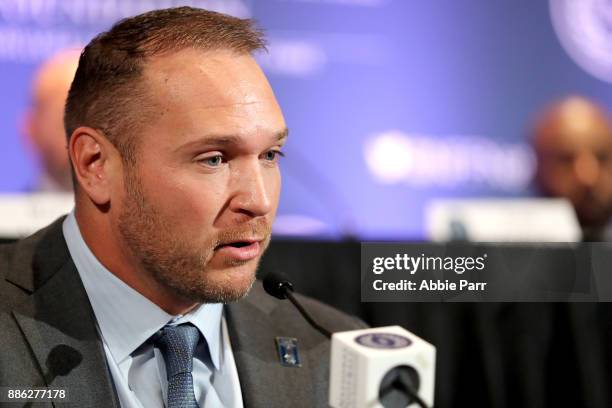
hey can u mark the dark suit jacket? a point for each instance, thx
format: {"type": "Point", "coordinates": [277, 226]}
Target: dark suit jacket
{"type": "Point", "coordinates": [48, 334]}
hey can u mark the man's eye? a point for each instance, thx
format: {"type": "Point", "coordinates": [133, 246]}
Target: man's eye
{"type": "Point", "coordinates": [272, 155]}
{"type": "Point", "coordinates": [214, 161]}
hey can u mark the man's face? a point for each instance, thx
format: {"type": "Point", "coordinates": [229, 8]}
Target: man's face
{"type": "Point", "coordinates": [575, 162]}
{"type": "Point", "coordinates": [44, 125]}
{"type": "Point", "coordinates": [197, 207]}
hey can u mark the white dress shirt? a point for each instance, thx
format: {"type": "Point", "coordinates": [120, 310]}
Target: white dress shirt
{"type": "Point", "coordinates": [126, 320]}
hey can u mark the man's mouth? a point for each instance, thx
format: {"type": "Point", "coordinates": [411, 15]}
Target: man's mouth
{"type": "Point", "coordinates": [240, 250]}
{"type": "Point", "coordinates": [238, 244]}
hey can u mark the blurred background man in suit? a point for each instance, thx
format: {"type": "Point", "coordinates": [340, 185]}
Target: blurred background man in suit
{"type": "Point", "coordinates": [572, 139]}
{"type": "Point", "coordinates": [43, 122]}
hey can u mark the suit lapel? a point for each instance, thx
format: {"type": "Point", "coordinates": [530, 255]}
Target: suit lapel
{"type": "Point", "coordinates": [58, 323]}
{"type": "Point", "coordinates": [264, 381]}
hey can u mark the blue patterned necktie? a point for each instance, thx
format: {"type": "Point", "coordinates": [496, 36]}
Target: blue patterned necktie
{"type": "Point", "coordinates": [177, 344]}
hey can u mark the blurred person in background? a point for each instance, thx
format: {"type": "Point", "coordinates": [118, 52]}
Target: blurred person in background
{"type": "Point", "coordinates": [43, 122]}
{"type": "Point", "coordinates": [572, 140]}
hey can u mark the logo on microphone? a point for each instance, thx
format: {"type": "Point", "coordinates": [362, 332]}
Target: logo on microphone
{"type": "Point", "coordinates": [383, 340]}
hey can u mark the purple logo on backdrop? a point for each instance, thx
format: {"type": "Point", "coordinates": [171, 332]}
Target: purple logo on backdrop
{"type": "Point", "coordinates": [584, 29]}
{"type": "Point", "coordinates": [383, 340]}
{"type": "Point", "coordinates": [425, 160]}
{"type": "Point", "coordinates": [31, 30]}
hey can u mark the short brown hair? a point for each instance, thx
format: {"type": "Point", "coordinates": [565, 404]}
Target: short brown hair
{"type": "Point", "coordinates": [107, 92]}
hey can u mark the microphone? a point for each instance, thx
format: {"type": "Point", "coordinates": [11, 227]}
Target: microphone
{"type": "Point", "coordinates": [280, 287]}
{"type": "Point", "coordinates": [382, 367]}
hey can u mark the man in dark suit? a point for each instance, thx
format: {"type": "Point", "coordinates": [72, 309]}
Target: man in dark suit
{"type": "Point", "coordinates": [145, 295]}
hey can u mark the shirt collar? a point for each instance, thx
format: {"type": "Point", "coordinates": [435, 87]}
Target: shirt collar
{"type": "Point", "coordinates": [125, 317]}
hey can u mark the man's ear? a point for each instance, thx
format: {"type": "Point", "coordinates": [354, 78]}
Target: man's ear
{"type": "Point", "coordinates": [94, 160]}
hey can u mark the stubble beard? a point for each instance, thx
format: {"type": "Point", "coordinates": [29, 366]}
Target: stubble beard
{"type": "Point", "coordinates": [168, 258]}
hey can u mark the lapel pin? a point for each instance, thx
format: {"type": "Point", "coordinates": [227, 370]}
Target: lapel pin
{"type": "Point", "coordinates": [287, 348]}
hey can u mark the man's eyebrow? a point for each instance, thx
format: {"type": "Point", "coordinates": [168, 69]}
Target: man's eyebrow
{"type": "Point", "coordinates": [228, 140]}
{"type": "Point", "coordinates": [283, 134]}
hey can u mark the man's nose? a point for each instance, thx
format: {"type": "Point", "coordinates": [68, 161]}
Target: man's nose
{"type": "Point", "coordinates": [586, 168]}
{"type": "Point", "coordinates": [252, 190]}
